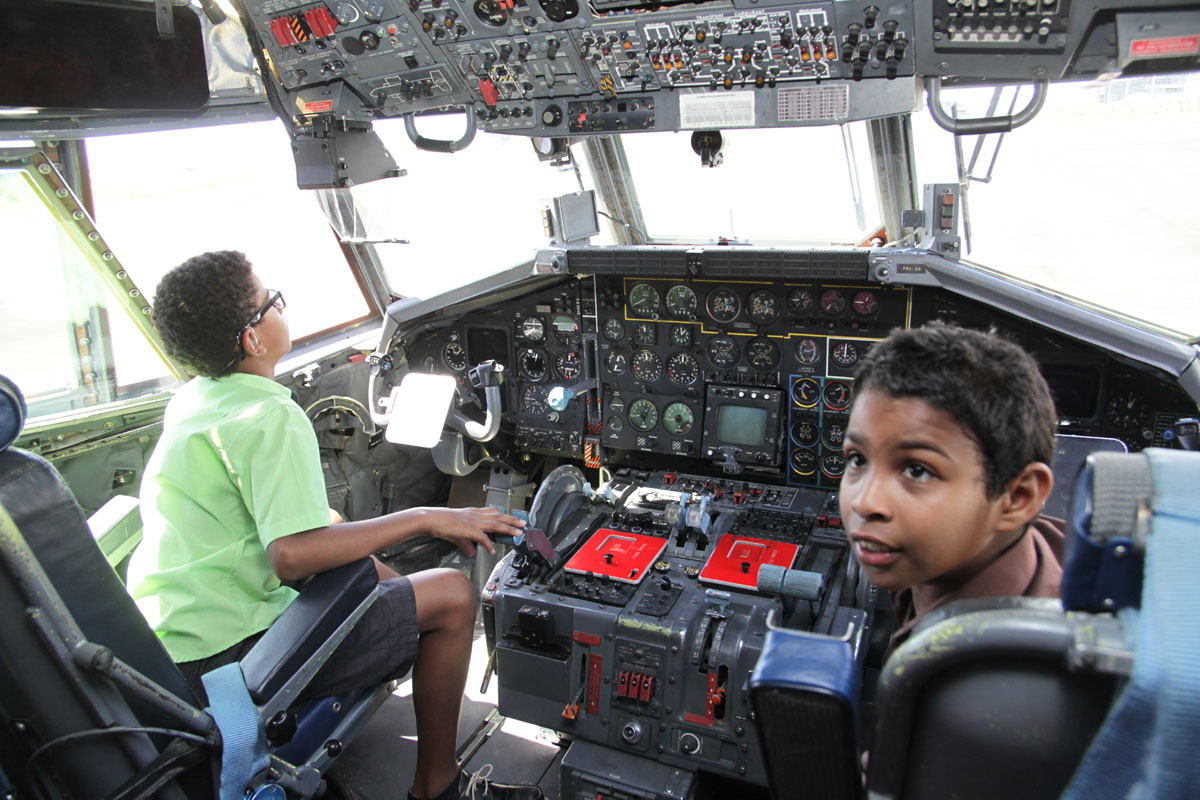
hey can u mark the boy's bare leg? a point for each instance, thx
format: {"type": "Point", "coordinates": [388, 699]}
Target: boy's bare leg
{"type": "Point", "coordinates": [446, 619]}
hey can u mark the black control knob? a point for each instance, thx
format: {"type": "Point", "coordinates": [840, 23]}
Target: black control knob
{"type": "Point", "coordinates": [505, 52]}
{"type": "Point", "coordinates": [689, 743]}
{"type": "Point", "coordinates": [523, 50]}
{"type": "Point", "coordinates": [551, 48]}
{"type": "Point", "coordinates": [870, 14]}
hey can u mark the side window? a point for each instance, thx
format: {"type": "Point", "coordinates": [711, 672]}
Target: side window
{"type": "Point", "coordinates": [65, 339]}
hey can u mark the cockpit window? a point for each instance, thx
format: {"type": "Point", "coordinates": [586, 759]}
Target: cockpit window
{"type": "Point", "coordinates": [1094, 199]}
{"type": "Point", "coordinates": [465, 215]}
{"type": "Point", "coordinates": [163, 197]}
{"type": "Point", "coordinates": [798, 186]}
{"type": "Point", "coordinates": [65, 339]}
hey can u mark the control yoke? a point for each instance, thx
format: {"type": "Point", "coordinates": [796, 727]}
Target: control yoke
{"type": "Point", "coordinates": [487, 376]}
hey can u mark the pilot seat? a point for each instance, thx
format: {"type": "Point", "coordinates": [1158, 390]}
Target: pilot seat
{"type": "Point", "coordinates": [91, 705]}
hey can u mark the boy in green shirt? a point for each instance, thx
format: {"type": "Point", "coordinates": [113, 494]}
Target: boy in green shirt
{"type": "Point", "coordinates": [233, 504]}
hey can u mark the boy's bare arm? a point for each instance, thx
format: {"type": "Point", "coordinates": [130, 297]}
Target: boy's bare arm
{"type": "Point", "coordinates": [306, 553]}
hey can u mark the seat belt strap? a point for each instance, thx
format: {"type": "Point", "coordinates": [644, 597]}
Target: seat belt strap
{"type": "Point", "coordinates": [243, 753]}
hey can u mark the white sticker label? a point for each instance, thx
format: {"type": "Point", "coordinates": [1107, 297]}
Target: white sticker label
{"type": "Point", "coordinates": [827, 101]}
{"type": "Point", "coordinates": [721, 110]}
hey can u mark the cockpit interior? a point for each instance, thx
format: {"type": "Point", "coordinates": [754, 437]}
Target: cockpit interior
{"type": "Point", "coordinates": [639, 331]}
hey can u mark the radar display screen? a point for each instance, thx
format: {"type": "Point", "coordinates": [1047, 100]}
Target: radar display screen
{"type": "Point", "coordinates": [742, 425]}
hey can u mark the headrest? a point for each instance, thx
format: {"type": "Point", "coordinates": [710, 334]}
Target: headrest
{"type": "Point", "coordinates": [12, 412]}
{"type": "Point", "coordinates": [1102, 570]}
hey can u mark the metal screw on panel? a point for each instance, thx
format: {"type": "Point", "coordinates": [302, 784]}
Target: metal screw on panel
{"type": "Point", "coordinates": [122, 274]}
{"type": "Point", "coordinates": [1119, 551]}
{"type": "Point", "coordinates": [107, 255]}
{"type": "Point", "coordinates": [44, 169]}
{"type": "Point", "coordinates": [60, 192]}
{"type": "Point", "coordinates": [93, 236]}
{"type": "Point", "coordinates": [76, 215]}
{"type": "Point", "coordinates": [134, 293]}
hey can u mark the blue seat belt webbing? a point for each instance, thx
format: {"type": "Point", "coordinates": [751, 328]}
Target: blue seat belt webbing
{"type": "Point", "coordinates": [243, 754]}
{"type": "Point", "coordinates": [1146, 748]}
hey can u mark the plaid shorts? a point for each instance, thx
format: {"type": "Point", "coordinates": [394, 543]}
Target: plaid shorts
{"type": "Point", "coordinates": [381, 647]}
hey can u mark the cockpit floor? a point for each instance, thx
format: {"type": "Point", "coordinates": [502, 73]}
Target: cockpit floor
{"type": "Point", "coordinates": [379, 763]}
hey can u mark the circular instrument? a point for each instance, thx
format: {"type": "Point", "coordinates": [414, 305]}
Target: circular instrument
{"type": "Point", "coordinates": [678, 418]}
{"type": "Point", "coordinates": [490, 12]}
{"type": "Point", "coordinates": [682, 368]}
{"type": "Point", "coordinates": [806, 392]}
{"type": "Point", "coordinates": [808, 352]}
{"type": "Point", "coordinates": [454, 356]}
{"type": "Point", "coordinates": [615, 424]}
{"type": "Point", "coordinates": [533, 329]}
{"type": "Point", "coordinates": [722, 352]}
{"type": "Point", "coordinates": [643, 414]}
{"type": "Point", "coordinates": [616, 363]}
{"type": "Point", "coordinates": [833, 303]}
{"type": "Point", "coordinates": [681, 301]}
{"type": "Point", "coordinates": [532, 364]}
{"type": "Point", "coordinates": [646, 365]}
{"type": "Point", "coordinates": [616, 404]}
{"type": "Point", "coordinates": [805, 432]}
{"type": "Point", "coordinates": [1127, 410]}
{"type": "Point", "coordinates": [533, 400]}
{"type": "Point", "coordinates": [567, 365]}
{"type": "Point", "coordinates": [801, 302]}
{"type": "Point", "coordinates": [643, 300]}
{"type": "Point", "coordinates": [762, 306]}
{"type": "Point", "coordinates": [845, 354]}
{"type": "Point", "coordinates": [865, 303]}
{"type": "Point", "coordinates": [835, 436]}
{"type": "Point", "coordinates": [681, 336]}
{"type": "Point", "coordinates": [763, 354]}
{"type": "Point", "coordinates": [723, 305]}
{"type": "Point", "coordinates": [837, 395]}
{"type": "Point", "coordinates": [804, 462]}
{"type": "Point", "coordinates": [614, 331]}
{"type": "Point", "coordinates": [645, 334]}
{"type": "Point", "coordinates": [833, 465]}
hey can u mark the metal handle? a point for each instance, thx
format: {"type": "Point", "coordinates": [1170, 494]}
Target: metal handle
{"type": "Point", "coordinates": [441, 145]}
{"type": "Point", "coordinates": [970, 127]}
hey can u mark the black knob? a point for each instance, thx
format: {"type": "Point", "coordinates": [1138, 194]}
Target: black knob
{"type": "Point", "coordinates": [870, 14]}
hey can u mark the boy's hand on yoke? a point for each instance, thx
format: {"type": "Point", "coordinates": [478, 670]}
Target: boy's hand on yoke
{"type": "Point", "coordinates": [468, 527]}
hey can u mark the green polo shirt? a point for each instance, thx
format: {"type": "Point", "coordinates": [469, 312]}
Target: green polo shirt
{"type": "Point", "coordinates": [236, 468]}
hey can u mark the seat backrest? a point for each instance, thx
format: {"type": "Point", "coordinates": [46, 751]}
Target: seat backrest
{"type": "Point", "coordinates": [55, 579]}
{"type": "Point", "coordinates": [804, 691]}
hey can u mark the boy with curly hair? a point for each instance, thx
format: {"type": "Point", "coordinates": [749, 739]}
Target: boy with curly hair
{"type": "Point", "coordinates": [948, 452]}
{"type": "Point", "coordinates": [233, 505]}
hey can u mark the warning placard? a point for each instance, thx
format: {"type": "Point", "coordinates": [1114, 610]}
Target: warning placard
{"type": "Point", "coordinates": [1168, 46]}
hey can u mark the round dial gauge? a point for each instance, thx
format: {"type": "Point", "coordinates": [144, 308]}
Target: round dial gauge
{"type": "Point", "coordinates": [801, 302]}
{"type": "Point", "coordinates": [490, 12]}
{"type": "Point", "coordinates": [805, 433]}
{"type": "Point", "coordinates": [808, 352]}
{"type": "Point", "coordinates": [567, 365]}
{"type": "Point", "coordinates": [722, 352]}
{"type": "Point", "coordinates": [806, 392]}
{"type": "Point", "coordinates": [643, 300]}
{"type": "Point", "coordinates": [865, 303]}
{"type": "Point", "coordinates": [533, 329]}
{"type": "Point", "coordinates": [614, 330]}
{"type": "Point", "coordinates": [533, 400]}
{"type": "Point", "coordinates": [682, 368]}
{"type": "Point", "coordinates": [678, 419]}
{"type": "Point", "coordinates": [532, 364]}
{"type": "Point", "coordinates": [763, 354]}
{"type": "Point", "coordinates": [1127, 410]}
{"type": "Point", "coordinates": [646, 365]}
{"type": "Point", "coordinates": [837, 395]}
{"type": "Point", "coordinates": [835, 436]}
{"type": "Point", "coordinates": [833, 303]}
{"type": "Point", "coordinates": [804, 462]}
{"type": "Point", "coordinates": [845, 354]}
{"type": "Point", "coordinates": [723, 305]}
{"type": "Point", "coordinates": [681, 335]}
{"type": "Point", "coordinates": [616, 404]}
{"type": "Point", "coordinates": [616, 363]}
{"type": "Point", "coordinates": [454, 356]}
{"type": "Point", "coordinates": [762, 306]}
{"type": "Point", "coordinates": [643, 415]}
{"type": "Point", "coordinates": [681, 301]}
{"type": "Point", "coordinates": [833, 465]}
{"type": "Point", "coordinates": [644, 334]}
{"type": "Point", "coordinates": [615, 424]}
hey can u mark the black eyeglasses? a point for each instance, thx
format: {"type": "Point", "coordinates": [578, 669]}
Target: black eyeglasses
{"type": "Point", "coordinates": [274, 300]}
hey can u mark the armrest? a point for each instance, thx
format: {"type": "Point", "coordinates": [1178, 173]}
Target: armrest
{"type": "Point", "coordinates": [306, 624]}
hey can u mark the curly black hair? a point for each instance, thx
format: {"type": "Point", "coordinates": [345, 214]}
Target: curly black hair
{"type": "Point", "coordinates": [199, 308]}
{"type": "Point", "coordinates": [988, 385]}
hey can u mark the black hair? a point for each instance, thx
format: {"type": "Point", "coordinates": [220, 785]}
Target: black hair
{"type": "Point", "coordinates": [200, 307]}
{"type": "Point", "coordinates": [988, 385]}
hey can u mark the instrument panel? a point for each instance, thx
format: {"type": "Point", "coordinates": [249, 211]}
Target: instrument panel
{"type": "Point", "coordinates": [736, 375]}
